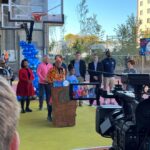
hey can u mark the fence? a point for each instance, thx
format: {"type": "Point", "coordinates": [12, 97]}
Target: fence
{"type": "Point", "coordinates": [142, 63]}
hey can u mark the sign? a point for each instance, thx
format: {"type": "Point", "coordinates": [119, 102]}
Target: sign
{"type": "Point", "coordinates": [145, 47]}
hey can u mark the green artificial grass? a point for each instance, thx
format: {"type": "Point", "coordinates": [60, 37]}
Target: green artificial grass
{"type": "Point", "coordinates": [36, 133]}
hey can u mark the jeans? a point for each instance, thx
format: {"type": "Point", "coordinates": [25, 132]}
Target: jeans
{"type": "Point", "coordinates": [44, 88]}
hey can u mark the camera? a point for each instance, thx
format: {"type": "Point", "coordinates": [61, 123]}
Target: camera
{"type": "Point", "coordinates": [128, 124]}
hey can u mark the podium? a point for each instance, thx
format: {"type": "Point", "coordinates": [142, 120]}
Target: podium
{"type": "Point", "coordinates": [63, 109]}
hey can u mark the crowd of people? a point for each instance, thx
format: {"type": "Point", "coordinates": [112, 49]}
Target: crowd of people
{"type": "Point", "coordinates": [99, 71]}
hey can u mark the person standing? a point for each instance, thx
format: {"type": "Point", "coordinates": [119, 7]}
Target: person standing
{"type": "Point", "coordinates": [5, 71]}
{"type": "Point", "coordinates": [94, 66]}
{"type": "Point", "coordinates": [56, 73]}
{"type": "Point", "coordinates": [44, 86]}
{"type": "Point", "coordinates": [130, 70]}
{"type": "Point", "coordinates": [109, 65]}
{"type": "Point", "coordinates": [63, 64]}
{"type": "Point", "coordinates": [25, 87]}
{"type": "Point", "coordinates": [80, 69]}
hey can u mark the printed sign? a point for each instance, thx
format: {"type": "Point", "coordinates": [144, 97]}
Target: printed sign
{"type": "Point", "coordinates": [145, 46]}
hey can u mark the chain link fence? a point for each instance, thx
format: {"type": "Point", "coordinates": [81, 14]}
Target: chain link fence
{"type": "Point", "coordinates": [142, 63]}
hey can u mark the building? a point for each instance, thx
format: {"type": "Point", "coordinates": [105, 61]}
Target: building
{"type": "Point", "coordinates": [9, 38]}
{"type": "Point", "coordinates": [143, 13]}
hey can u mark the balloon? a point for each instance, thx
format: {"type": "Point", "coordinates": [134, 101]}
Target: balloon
{"type": "Point", "coordinates": [30, 53]}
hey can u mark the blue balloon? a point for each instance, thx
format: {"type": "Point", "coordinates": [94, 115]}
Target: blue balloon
{"type": "Point", "coordinates": [30, 52]}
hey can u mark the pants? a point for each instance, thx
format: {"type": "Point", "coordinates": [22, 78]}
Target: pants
{"type": "Point", "coordinates": [44, 88]}
{"type": "Point", "coordinates": [23, 100]}
{"type": "Point", "coordinates": [49, 110]}
{"type": "Point", "coordinates": [98, 96]}
{"type": "Point", "coordinates": [109, 83]}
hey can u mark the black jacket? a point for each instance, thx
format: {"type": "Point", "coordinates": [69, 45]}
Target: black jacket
{"type": "Point", "coordinates": [92, 73]}
{"type": "Point", "coordinates": [82, 67]}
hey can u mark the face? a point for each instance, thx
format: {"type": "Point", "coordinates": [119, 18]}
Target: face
{"type": "Point", "coordinates": [78, 56]}
{"type": "Point", "coordinates": [95, 58]}
{"type": "Point", "coordinates": [25, 64]}
{"type": "Point", "coordinates": [46, 59]}
{"type": "Point", "coordinates": [72, 71]}
{"type": "Point", "coordinates": [58, 64]}
{"type": "Point", "coordinates": [129, 65]}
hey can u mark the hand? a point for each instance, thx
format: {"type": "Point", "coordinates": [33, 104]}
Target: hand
{"type": "Point", "coordinates": [95, 77]}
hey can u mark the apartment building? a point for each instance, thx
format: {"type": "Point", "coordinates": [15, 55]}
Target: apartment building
{"type": "Point", "coordinates": [143, 13]}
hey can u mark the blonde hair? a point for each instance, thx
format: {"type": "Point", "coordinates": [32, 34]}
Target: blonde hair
{"type": "Point", "coordinates": [9, 114]}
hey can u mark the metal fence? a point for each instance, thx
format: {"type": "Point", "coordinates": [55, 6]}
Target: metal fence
{"type": "Point", "coordinates": [142, 63]}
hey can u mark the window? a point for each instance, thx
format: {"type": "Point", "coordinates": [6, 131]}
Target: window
{"type": "Point", "coordinates": [141, 12]}
{"type": "Point", "coordinates": [141, 3]}
{"type": "Point", "coordinates": [140, 21]}
{"type": "Point", "coordinates": [148, 20]}
{"type": "Point", "coordinates": [148, 10]}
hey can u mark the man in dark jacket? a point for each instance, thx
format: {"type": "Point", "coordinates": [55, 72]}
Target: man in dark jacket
{"type": "Point", "coordinates": [80, 69]}
{"type": "Point", "coordinates": [79, 65]}
{"type": "Point", "coordinates": [94, 66]}
{"type": "Point", "coordinates": [109, 65]}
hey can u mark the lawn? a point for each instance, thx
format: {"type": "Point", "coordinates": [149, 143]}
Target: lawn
{"type": "Point", "coordinates": [37, 133]}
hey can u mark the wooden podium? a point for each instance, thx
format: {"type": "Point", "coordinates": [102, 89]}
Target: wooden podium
{"type": "Point", "coordinates": [63, 109]}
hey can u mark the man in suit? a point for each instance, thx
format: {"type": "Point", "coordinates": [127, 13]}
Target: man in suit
{"type": "Point", "coordinates": [80, 68]}
{"type": "Point", "coordinates": [79, 65]}
{"type": "Point", "coordinates": [95, 65]}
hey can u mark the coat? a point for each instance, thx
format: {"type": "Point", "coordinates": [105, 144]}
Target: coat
{"type": "Point", "coordinates": [25, 88]}
{"type": "Point", "coordinates": [82, 67]}
{"type": "Point", "coordinates": [91, 69]}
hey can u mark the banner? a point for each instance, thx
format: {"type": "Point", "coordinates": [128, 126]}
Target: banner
{"type": "Point", "coordinates": [145, 46]}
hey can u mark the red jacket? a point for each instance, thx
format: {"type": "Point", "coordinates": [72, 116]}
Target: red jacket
{"type": "Point", "coordinates": [24, 87]}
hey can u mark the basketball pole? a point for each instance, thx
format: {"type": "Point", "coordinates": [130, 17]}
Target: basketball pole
{"type": "Point", "coordinates": [28, 31]}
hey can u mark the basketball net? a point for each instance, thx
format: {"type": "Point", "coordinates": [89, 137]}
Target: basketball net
{"type": "Point", "coordinates": [37, 16]}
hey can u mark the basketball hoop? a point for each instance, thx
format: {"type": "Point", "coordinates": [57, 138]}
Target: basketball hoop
{"type": "Point", "coordinates": [37, 16]}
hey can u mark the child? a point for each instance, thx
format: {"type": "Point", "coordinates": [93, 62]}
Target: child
{"type": "Point", "coordinates": [71, 77]}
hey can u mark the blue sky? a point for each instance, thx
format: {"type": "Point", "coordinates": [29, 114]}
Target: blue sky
{"type": "Point", "coordinates": [110, 13]}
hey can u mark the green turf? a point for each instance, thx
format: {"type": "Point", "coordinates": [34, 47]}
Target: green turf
{"type": "Point", "coordinates": [37, 133]}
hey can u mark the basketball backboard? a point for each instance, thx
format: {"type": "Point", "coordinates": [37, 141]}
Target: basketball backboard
{"type": "Point", "coordinates": [18, 11]}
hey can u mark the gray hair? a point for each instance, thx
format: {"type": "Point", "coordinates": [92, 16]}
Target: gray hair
{"type": "Point", "coordinates": [9, 114]}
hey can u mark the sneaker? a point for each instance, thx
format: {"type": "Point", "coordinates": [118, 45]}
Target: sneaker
{"type": "Point", "coordinates": [28, 110]}
{"type": "Point", "coordinates": [40, 108]}
{"type": "Point", "coordinates": [23, 111]}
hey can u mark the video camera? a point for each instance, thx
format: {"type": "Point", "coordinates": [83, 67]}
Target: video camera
{"type": "Point", "coordinates": [128, 124]}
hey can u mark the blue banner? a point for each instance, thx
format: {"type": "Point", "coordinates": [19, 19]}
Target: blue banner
{"type": "Point", "coordinates": [145, 46]}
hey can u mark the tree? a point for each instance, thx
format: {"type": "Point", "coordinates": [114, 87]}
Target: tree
{"type": "Point", "coordinates": [127, 35]}
{"type": "Point", "coordinates": [82, 11]}
{"type": "Point", "coordinates": [81, 43]}
{"type": "Point", "coordinates": [88, 24]}
{"type": "Point", "coordinates": [93, 27]}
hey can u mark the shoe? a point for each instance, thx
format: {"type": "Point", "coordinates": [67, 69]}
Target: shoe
{"type": "Point", "coordinates": [40, 108]}
{"type": "Point", "coordinates": [23, 111]}
{"type": "Point", "coordinates": [49, 119]}
{"type": "Point", "coordinates": [80, 104]}
{"type": "Point", "coordinates": [28, 110]}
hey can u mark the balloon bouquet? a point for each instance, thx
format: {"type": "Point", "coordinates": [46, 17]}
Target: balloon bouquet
{"type": "Point", "coordinates": [30, 53]}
